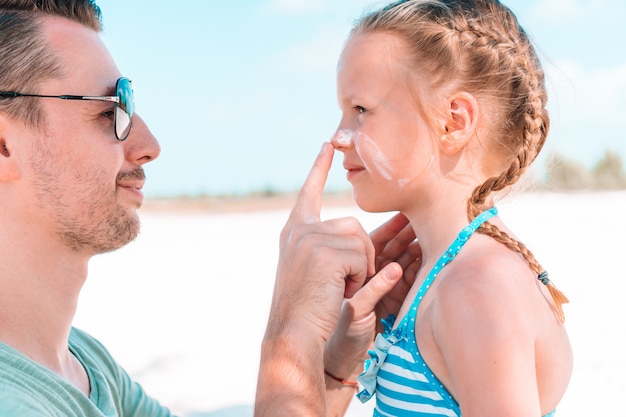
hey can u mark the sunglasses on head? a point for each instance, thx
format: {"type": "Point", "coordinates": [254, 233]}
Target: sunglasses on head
{"type": "Point", "coordinates": [124, 106]}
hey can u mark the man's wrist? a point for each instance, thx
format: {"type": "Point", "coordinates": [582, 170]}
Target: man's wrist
{"type": "Point", "coordinates": [288, 331]}
{"type": "Point", "coordinates": [291, 380]}
{"type": "Point", "coordinates": [332, 379]}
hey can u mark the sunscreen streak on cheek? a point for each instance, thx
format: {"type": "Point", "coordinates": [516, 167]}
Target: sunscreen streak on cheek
{"type": "Point", "coordinates": [372, 157]}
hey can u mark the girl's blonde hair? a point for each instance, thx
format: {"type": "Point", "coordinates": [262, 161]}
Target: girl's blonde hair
{"type": "Point", "coordinates": [479, 47]}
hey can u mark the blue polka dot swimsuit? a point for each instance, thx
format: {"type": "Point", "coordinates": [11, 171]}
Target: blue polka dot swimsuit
{"type": "Point", "coordinates": [396, 372]}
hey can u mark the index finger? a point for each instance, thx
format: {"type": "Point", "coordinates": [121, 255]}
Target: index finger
{"type": "Point", "coordinates": [390, 230]}
{"type": "Point", "coordinates": [309, 202]}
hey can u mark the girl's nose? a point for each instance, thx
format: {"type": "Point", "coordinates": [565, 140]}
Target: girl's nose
{"type": "Point", "coordinates": [342, 140]}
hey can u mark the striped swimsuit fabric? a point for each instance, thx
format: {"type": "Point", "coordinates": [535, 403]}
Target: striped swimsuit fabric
{"type": "Point", "coordinates": [396, 372]}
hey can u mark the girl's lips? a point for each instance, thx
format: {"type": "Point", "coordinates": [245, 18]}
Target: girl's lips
{"type": "Point", "coordinates": [352, 170]}
{"type": "Point", "coordinates": [352, 167]}
{"type": "Point", "coordinates": [352, 173]}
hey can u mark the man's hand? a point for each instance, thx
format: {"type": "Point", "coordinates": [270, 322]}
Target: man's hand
{"type": "Point", "coordinates": [395, 241]}
{"type": "Point", "coordinates": [396, 251]}
{"type": "Point", "coordinates": [320, 263]}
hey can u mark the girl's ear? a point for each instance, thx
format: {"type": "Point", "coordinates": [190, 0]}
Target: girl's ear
{"type": "Point", "coordinates": [460, 123]}
{"type": "Point", "coordinates": [9, 166]}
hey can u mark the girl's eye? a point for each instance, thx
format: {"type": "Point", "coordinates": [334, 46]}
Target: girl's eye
{"type": "Point", "coordinates": [359, 109]}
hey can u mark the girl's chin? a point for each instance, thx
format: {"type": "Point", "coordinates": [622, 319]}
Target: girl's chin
{"type": "Point", "coordinates": [370, 203]}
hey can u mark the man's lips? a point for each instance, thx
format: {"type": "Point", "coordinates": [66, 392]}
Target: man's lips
{"type": "Point", "coordinates": [133, 180]}
{"type": "Point", "coordinates": [134, 185]}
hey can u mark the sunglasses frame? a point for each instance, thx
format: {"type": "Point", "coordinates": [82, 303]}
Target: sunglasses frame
{"type": "Point", "coordinates": [124, 102]}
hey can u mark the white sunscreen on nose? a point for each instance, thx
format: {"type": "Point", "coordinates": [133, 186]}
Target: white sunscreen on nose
{"type": "Point", "coordinates": [343, 137]}
{"type": "Point", "coordinates": [373, 159]}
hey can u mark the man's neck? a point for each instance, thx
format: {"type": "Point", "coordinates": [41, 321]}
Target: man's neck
{"type": "Point", "coordinates": [38, 298]}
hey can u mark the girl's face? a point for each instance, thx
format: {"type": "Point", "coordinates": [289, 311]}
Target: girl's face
{"type": "Point", "coordinates": [387, 143]}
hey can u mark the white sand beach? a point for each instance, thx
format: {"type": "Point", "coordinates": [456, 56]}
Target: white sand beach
{"type": "Point", "coordinates": [183, 308]}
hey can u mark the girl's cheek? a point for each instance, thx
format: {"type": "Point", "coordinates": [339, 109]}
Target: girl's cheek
{"type": "Point", "coordinates": [372, 157]}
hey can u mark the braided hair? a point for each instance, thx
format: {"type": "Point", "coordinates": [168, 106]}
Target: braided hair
{"type": "Point", "coordinates": [478, 46]}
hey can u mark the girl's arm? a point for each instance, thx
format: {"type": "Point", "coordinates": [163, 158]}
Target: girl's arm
{"type": "Point", "coordinates": [483, 326]}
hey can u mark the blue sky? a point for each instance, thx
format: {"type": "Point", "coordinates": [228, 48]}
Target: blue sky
{"type": "Point", "coordinates": [241, 94]}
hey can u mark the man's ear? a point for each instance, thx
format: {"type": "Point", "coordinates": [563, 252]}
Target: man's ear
{"type": "Point", "coordinates": [460, 123]}
{"type": "Point", "coordinates": [9, 166]}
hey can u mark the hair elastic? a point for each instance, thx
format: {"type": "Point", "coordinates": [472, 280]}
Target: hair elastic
{"type": "Point", "coordinates": [543, 277]}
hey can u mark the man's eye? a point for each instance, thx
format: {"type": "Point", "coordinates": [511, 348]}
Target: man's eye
{"type": "Point", "coordinates": [359, 109]}
{"type": "Point", "coordinates": [109, 114]}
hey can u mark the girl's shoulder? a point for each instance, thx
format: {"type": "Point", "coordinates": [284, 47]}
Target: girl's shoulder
{"type": "Point", "coordinates": [489, 278]}
{"type": "Point", "coordinates": [486, 261]}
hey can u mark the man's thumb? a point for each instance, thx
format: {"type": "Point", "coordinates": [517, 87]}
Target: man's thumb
{"type": "Point", "coordinates": [380, 284]}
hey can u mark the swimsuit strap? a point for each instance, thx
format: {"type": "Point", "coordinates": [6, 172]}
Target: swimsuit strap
{"type": "Point", "coordinates": [452, 251]}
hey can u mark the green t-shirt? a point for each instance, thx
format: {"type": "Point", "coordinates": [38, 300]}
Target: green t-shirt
{"type": "Point", "coordinates": [28, 389]}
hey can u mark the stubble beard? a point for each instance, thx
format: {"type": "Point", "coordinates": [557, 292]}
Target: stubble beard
{"type": "Point", "coordinates": [87, 213]}
{"type": "Point", "coordinates": [107, 232]}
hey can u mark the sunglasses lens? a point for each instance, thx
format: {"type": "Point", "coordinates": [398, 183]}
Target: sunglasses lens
{"type": "Point", "coordinates": [124, 109]}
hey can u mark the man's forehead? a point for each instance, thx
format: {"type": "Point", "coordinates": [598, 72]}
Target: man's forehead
{"type": "Point", "coordinates": [82, 56]}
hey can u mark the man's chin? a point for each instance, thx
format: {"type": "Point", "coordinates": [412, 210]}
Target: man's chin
{"type": "Point", "coordinates": [118, 235]}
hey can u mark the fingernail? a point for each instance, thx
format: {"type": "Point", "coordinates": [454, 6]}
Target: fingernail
{"type": "Point", "coordinates": [325, 147]}
{"type": "Point", "coordinates": [393, 272]}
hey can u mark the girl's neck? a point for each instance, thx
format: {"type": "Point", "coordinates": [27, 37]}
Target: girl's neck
{"type": "Point", "coordinates": [437, 223]}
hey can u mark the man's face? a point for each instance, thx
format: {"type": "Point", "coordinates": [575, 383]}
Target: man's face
{"type": "Point", "coordinates": [84, 181]}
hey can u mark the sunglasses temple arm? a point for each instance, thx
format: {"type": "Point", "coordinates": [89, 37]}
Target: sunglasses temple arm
{"type": "Point", "coordinates": [113, 99]}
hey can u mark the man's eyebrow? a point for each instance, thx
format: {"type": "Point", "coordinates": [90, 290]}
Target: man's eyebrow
{"type": "Point", "coordinates": [107, 91]}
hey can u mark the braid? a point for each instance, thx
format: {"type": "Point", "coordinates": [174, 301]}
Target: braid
{"type": "Point", "coordinates": [529, 90]}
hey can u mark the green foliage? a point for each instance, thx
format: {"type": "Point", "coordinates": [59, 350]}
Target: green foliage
{"type": "Point", "coordinates": [567, 175]}
{"type": "Point", "coordinates": [608, 174]}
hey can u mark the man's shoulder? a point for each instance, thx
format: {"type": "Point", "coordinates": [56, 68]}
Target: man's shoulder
{"type": "Point", "coordinates": [13, 404]}
{"type": "Point", "coordinates": [25, 386]}
{"type": "Point", "coordinates": [94, 355]}
{"type": "Point", "coordinates": [82, 339]}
